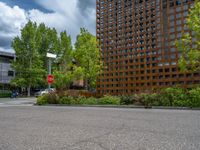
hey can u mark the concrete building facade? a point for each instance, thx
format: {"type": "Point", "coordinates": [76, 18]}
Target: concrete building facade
{"type": "Point", "coordinates": [6, 72]}
{"type": "Point", "coordinates": [137, 42]}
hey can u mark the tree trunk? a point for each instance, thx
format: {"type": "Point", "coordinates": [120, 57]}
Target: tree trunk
{"type": "Point", "coordinates": [29, 90]}
{"type": "Point", "coordinates": [86, 84]}
{"type": "Point", "coordinates": [87, 80]}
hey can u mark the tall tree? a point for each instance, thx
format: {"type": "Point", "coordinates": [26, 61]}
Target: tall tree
{"type": "Point", "coordinates": [189, 44]}
{"type": "Point", "coordinates": [47, 41]}
{"type": "Point", "coordinates": [65, 57]}
{"type": "Point", "coordinates": [31, 49]}
{"type": "Point", "coordinates": [87, 56]}
{"type": "Point", "coordinates": [63, 73]}
{"type": "Point", "coordinates": [28, 65]}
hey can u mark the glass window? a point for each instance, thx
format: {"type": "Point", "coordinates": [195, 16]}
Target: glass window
{"type": "Point", "coordinates": [178, 15]}
{"type": "Point", "coordinates": [10, 73]}
{"type": "Point", "coordinates": [179, 28]}
{"type": "Point", "coordinates": [185, 14]}
{"type": "Point", "coordinates": [172, 29]}
{"type": "Point", "coordinates": [172, 36]}
{"type": "Point", "coordinates": [185, 7]}
{"type": "Point", "coordinates": [173, 49]}
{"type": "Point", "coordinates": [178, 22]}
{"type": "Point", "coordinates": [171, 17]}
{"type": "Point", "coordinates": [178, 9]}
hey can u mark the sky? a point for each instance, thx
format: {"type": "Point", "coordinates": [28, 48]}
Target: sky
{"type": "Point", "coordinates": [69, 15]}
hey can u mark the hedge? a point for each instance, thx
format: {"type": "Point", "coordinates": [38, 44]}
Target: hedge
{"type": "Point", "coordinates": [176, 97]}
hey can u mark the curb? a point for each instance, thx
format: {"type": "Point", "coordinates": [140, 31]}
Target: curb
{"type": "Point", "coordinates": [123, 106]}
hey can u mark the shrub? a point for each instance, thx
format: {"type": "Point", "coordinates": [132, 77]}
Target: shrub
{"type": "Point", "coordinates": [109, 100]}
{"type": "Point", "coordinates": [126, 100]}
{"type": "Point", "coordinates": [167, 97]}
{"type": "Point", "coordinates": [75, 101]}
{"type": "Point", "coordinates": [66, 100]}
{"type": "Point", "coordinates": [194, 97]}
{"type": "Point", "coordinates": [138, 99]}
{"type": "Point", "coordinates": [172, 97]}
{"type": "Point", "coordinates": [5, 94]}
{"type": "Point", "coordinates": [88, 101]}
{"type": "Point", "coordinates": [53, 98]}
{"type": "Point", "coordinates": [42, 100]}
{"type": "Point", "coordinates": [151, 99]}
{"type": "Point", "coordinates": [182, 103]}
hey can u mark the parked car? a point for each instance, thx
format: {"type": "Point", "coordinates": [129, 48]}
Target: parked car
{"type": "Point", "coordinates": [44, 91]}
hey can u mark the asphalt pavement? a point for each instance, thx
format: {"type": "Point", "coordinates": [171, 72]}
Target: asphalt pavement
{"type": "Point", "coordinates": [27, 127]}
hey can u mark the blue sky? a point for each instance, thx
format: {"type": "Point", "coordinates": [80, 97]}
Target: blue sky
{"type": "Point", "coordinates": [67, 15]}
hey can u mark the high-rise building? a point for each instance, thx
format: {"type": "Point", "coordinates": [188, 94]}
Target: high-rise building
{"type": "Point", "coordinates": [137, 41]}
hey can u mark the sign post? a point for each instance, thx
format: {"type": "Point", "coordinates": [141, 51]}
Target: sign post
{"type": "Point", "coordinates": [50, 78]}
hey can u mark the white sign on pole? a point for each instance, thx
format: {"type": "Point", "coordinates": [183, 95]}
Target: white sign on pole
{"type": "Point", "coordinates": [50, 55]}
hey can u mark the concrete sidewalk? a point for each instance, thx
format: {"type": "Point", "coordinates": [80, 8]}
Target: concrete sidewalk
{"type": "Point", "coordinates": [17, 101]}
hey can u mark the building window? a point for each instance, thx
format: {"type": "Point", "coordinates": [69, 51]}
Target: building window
{"type": "Point", "coordinates": [10, 73]}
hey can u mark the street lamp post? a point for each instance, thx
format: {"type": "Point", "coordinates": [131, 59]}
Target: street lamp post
{"type": "Point", "coordinates": [50, 56]}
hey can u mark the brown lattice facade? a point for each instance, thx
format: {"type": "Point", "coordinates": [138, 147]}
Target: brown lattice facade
{"type": "Point", "coordinates": [137, 43]}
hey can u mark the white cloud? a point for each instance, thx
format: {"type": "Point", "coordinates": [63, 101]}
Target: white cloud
{"type": "Point", "coordinates": [63, 15]}
{"type": "Point", "coordinates": [66, 15]}
{"type": "Point", "coordinates": [11, 21]}
{"type": "Point", "coordinates": [55, 20]}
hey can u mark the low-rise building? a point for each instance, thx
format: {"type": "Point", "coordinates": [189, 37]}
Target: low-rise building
{"type": "Point", "coordinates": [6, 72]}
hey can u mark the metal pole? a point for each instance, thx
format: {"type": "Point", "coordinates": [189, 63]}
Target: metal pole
{"type": "Point", "coordinates": [14, 61]}
{"type": "Point", "coordinates": [49, 71]}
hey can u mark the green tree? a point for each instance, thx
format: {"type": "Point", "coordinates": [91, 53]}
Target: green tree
{"type": "Point", "coordinates": [65, 57]}
{"type": "Point", "coordinates": [47, 41]}
{"type": "Point", "coordinates": [28, 65]}
{"type": "Point", "coordinates": [31, 49]}
{"type": "Point", "coordinates": [87, 56]}
{"type": "Point", "coordinates": [189, 44]}
{"type": "Point", "coordinates": [64, 75]}
{"type": "Point", "coordinates": [63, 79]}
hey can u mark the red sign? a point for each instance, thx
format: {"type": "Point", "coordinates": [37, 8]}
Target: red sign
{"type": "Point", "coordinates": [50, 79]}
